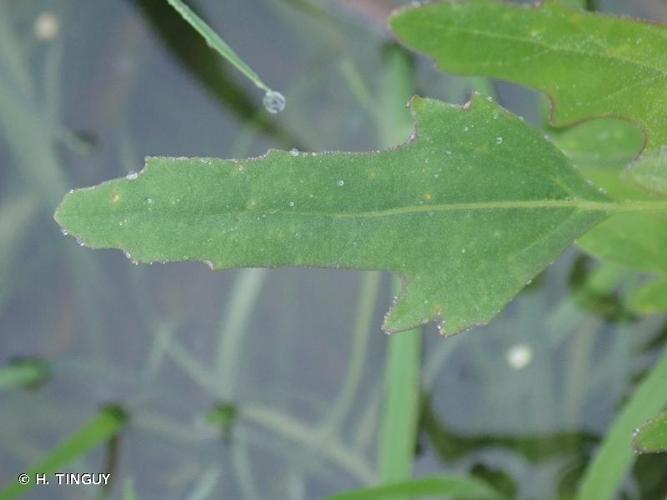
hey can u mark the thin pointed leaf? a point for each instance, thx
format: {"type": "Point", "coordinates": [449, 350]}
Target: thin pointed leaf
{"type": "Point", "coordinates": [467, 212]}
{"type": "Point", "coordinates": [454, 486]}
{"type": "Point", "coordinates": [190, 50]}
{"type": "Point", "coordinates": [108, 423]}
{"type": "Point", "coordinates": [591, 65]}
{"type": "Point", "coordinates": [652, 436]}
{"type": "Point", "coordinates": [614, 456]}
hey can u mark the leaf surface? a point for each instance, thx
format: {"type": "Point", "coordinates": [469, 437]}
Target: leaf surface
{"type": "Point", "coordinates": [467, 212]}
{"type": "Point", "coordinates": [591, 65]}
{"type": "Point", "coordinates": [652, 436]}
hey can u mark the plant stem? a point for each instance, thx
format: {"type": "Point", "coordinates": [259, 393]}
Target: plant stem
{"type": "Point", "coordinates": [400, 415]}
{"type": "Point", "coordinates": [615, 455]}
{"type": "Point", "coordinates": [398, 437]}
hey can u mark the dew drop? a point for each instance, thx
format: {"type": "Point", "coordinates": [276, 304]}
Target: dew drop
{"type": "Point", "coordinates": [64, 232]}
{"type": "Point", "coordinates": [466, 128]}
{"type": "Point", "coordinates": [291, 203]}
{"type": "Point", "coordinates": [80, 242]}
{"type": "Point", "coordinates": [149, 201]}
{"type": "Point", "coordinates": [127, 255]}
{"type": "Point", "coordinates": [131, 175]}
{"type": "Point", "coordinates": [463, 250]}
{"type": "Point", "coordinates": [274, 102]}
{"type": "Point", "coordinates": [340, 183]}
{"type": "Point", "coordinates": [499, 140]}
{"type": "Point", "coordinates": [294, 152]}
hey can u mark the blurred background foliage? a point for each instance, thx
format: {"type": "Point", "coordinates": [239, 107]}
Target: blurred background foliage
{"type": "Point", "coordinates": [266, 383]}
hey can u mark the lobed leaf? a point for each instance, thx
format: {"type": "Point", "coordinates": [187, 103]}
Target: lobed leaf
{"type": "Point", "coordinates": [467, 212]}
{"type": "Point", "coordinates": [591, 65]}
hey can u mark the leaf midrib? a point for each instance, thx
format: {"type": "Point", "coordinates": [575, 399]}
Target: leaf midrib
{"type": "Point", "coordinates": [583, 205]}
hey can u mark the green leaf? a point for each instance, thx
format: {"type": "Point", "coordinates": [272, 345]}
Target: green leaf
{"type": "Point", "coordinates": [652, 436]}
{"type": "Point", "coordinates": [455, 486]}
{"type": "Point", "coordinates": [94, 433]}
{"type": "Point", "coordinates": [650, 172]}
{"type": "Point", "coordinates": [591, 65]}
{"type": "Point", "coordinates": [650, 298]}
{"type": "Point", "coordinates": [601, 149]}
{"type": "Point", "coordinates": [467, 212]}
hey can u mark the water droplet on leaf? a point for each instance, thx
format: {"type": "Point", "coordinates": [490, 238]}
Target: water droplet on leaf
{"type": "Point", "coordinates": [340, 183]}
{"type": "Point", "coordinates": [294, 152]}
{"type": "Point", "coordinates": [131, 175]}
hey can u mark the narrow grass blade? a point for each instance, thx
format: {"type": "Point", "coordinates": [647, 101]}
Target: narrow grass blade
{"type": "Point", "coordinates": [615, 455]}
{"type": "Point", "coordinates": [96, 432]}
{"type": "Point", "coordinates": [217, 43]}
{"type": "Point", "coordinates": [455, 486]}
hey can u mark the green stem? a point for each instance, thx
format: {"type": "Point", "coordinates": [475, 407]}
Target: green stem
{"type": "Point", "coordinates": [615, 456]}
{"type": "Point", "coordinates": [400, 415]}
{"type": "Point", "coordinates": [398, 437]}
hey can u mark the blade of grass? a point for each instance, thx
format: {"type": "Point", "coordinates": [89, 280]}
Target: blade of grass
{"type": "Point", "coordinates": [206, 67]}
{"type": "Point", "coordinates": [96, 432]}
{"type": "Point", "coordinates": [217, 43]}
{"type": "Point", "coordinates": [455, 486]}
{"type": "Point", "coordinates": [615, 456]}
